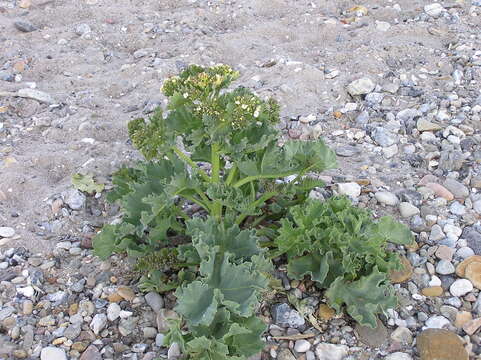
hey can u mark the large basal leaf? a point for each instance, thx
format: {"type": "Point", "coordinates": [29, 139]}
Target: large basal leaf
{"type": "Point", "coordinates": [364, 299]}
{"type": "Point", "coordinates": [198, 303]}
{"type": "Point", "coordinates": [238, 284]}
{"type": "Point", "coordinates": [315, 265]}
{"type": "Point", "coordinates": [113, 238]}
{"type": "Point", "coordinates": [244, 336]}
{"type": "Point", "coordinates": [391, 231]}
{"type": "Point", "coordinates": [209, 233]}
{"type": "Point", "coordinates": [203, 348]}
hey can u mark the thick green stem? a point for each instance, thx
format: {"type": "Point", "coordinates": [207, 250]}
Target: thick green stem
{"type": "Point", "coordinates": [215, 162]}
{"type": "Point", "coordinates": [231, 176]}
{"type": "Point", "coordinates": [192, 164]}
{"type": "Point", "coordinates": [255, 204]}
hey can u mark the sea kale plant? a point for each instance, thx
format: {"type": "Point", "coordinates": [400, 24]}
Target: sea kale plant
{"type": "Point", "coordinates": [211, 205]}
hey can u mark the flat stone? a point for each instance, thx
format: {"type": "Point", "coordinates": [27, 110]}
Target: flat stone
{"type": "Point", "coordinates": [351, 189]}
{"type": "Point", "coordinates": [24, 26]}
{"type": "Point", "coordinates": [400, 276]}
{"type": "Point", "coordinates": [445, 252]}
{"type": "Point", "coordinates": [460, 287]}
{"type": "Point", "coordinates": [52, 353]}
{"type": "Point", "coordinates": [434, 9]}
{"type": "Point", "coordinates": [126, 293]}
{"type": "Point", "coordinates": [456, 188]}
{"type": "Point", "coordinates": [432, 291]}
{"type": "Point", "coordinates": [113, 311]}
{"type": "Point", "coordinates": [440, 191]}
{"type": "Point", "coordinates": [437, 322]}
{"type": "Point", "coordinates": [6, 232]}
{"type": "Point", "coordinates": [154, 300]}
{"type": "Point", "coordinates": [440, 344]}
{"type": "Point", "coordinates": [408, 210]}
{"type": "Point", "coordinates": [473, 273]}
{"type": "Point", "coordinates": [325, 312]}
{"type": "Point", "coordinates": [461, 268]}
{"type": "Point", "coordinates": [398, 356]}
{"type": "Point", "coordinates": [98, 323]}
{"type": "Point", "coordinates": [372, 337]}
{"type": "Point", "coordinates": [284, 316]}
{"type": "Point", "coordinates": [326, 351]}
{"type": "Point", "coordinates": [472, 326]}
{"type": "Point", "coordinates": [473, 239]}
{"type": "Point", "coordinates": [91, 353]}
{"type": "Point", "coordinates": [386, 198]}
{"type": "Point", "coordinates": [383, 137]}
{"type": "Point", "coordinates": [302, 346]}
{"type": "Point", "coordinates": [445, 267]}
{"type": "Point", "coordinates": [425, 125]}
{"type": "Point", "coordinates": [361, 86]}
{"type": "Point", "coordinates": [36, 95]}
{"type": "Point", "coordinates": [402, 335]}
{"type": "Point", "coordinates": [462, 318]}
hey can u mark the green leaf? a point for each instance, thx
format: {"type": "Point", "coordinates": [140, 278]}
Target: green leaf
{"type": "Point", "coordinates": [86, 183]}
{"type": "Point", "coordinates": [203, 348]}
{"type": "Point", "coordinates": [365, 298]}
{"type": "Point", "coordinates": [244, 335]}
{"type": "Point", "coordinates": [104, 242]}
{"type": "Point", "coordinates": [392, 231]}
{"type": "Point", "coordinates": [197, 303]}
{"type": "Point", "coordinates": [315, 265]}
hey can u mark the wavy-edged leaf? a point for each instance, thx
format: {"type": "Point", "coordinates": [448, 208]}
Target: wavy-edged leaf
{"type": "Point", "coordinates": [198, 303]}
{"type": "Point", "coordinates": [391, 231]}
{"type": "Point", "coordinates": [365, 298]}
{"type": "Point", "coordinates": [113, 238]}
{"type": "Point", "coordinates": [316, 265]}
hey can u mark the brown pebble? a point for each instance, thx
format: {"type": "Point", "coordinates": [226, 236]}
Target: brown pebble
{"type": "Point", "coordinates": [432, 291]}
{"type": "Point", "coordinates": [114, 298]}
{"type": "Point", "coordinates": [462, 318]}
{"type": "Point", "coordinates": [72, 309]}
{"type": "Point", "coordinates": [461, 268]}
{"type": "Point", "coordinates": [400, 276]}
{"type": "Point", "coordinates": [126, 293]}
{"type": "Point", "coordinates": [440, 191]}
{"type": "Point", "coordinates": [472, 326]}
{"type": "Point", "coordinates": [325, 312]}
{"type": "Point", "coordinates": [473, 273]}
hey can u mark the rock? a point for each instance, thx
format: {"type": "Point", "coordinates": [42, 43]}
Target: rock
{"type": "Point", "coordinates": [402, 335]}
{"type": "Point", "coordinates": [425, 125]}
{"type": "Point", "coordinates": [462, 318]}
{"type": "Point", "coordinates": [126, 293]}
{"type": "Point", "coordinates": [432, 291]}
{"type": "Point", "coordinates": [72, 331]}
{"type": "Point", "coordinates": [302, 346]}
{"type": "Point", "coordinates": [372, 337]}
{"type": "Point", "coordinates": [75, 199]}
{"type": "Point", "coordinates": [154, 300]}
{"type": "Point", "coordinates": [404, 274]}
{"type": "Point", "coordinates": [325, 312]}
{"type": "Point", "coordinates": [24, 26]}
{"type": "Point", "coordinates": [127, 325]}
{"type": "Point", "coordinates": [451, 160]}
{"type": "Point", "coordinates": [92, 353]}
{"type": "Point", "coordinates": [456, 188]}
{"type": "Point", "coordinates": [386, 198]}
{"type": "Point", "coordinates": [398, 356]}
{"type": "Point", "coordinates": [36, 95]}
{"type": "Point", "coordinates": [440, 191]}
{"type": "Point", "coordinates": [437, 322]}
{"type": "Point", "coordinates": [440, 344]}
{"type": "Point", "coordinates": [174, 351]}
{"type": "Point", "coordinates": [113, 311]}
{"type": "Point", "coordinates": [473, 273]}
{"type": "Point", "coordinates": [460, 287]}
{"type": "Point", "coordinates": [408, 210]}
{"type": "Point", "coordinates": [383, 137]}
{"type": "Point", "coordinates": [472, 326]}
{"type": "Point", "coordinates": [434, 9]}
{"type": "Point", "coordinates": [82, 29]}
{"type": "Point", "coordinates": [52, 353]}
{"type": "Point", "coordinates": [351, 189]}
{"type": "Point", "coordinates": [473, 239]}
{"type": "Point", "coordinates": [285, 354]}
{"type": "Point", "coordinates": [149, 332]}
{"type": "Point", "coordinates": [361, 86]}
{"type": "Point", "coordinates": [98, 323]}
{"type": "Point", "coordinates": [284, 316]}
{"type": "Point", "coordinates": [445, 267]}
{"type": "Point", "coordinates": [347, 151]}
{"type": "Point", "coordinates": [461, 268]}
{"type": "Point", "coordinates": [326, 351]}
{"type": "Point", "coordinates": [6, 232]}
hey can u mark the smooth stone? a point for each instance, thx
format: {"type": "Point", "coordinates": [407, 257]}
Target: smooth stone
{"type": "Point", "coordinates": [52, 353]}
{"type": "Point", "coordinates": [445, 252]}
{"type": "Point", "coordinates": [302, 346]}
{"type": "Point", "coordinates": [398, 356]}
{"type": "Point", "coordinates": [351, 189]}
{"type": "Point", "coordinates": [437, 322]}
{"type": "Point", "coordinates": [440, 344]}
{"type": "Point", "coordinates": [461, 268]}
{"type": "Point", "coordinates": [462, 318]}
{"type": "Point", "coordinates": [473, 239]}
{"type": "Point", "coordinates": [6, 232]}
{"type": "Point", "coordinates": [154, 300]}
{"type": "Point", "coordinates": [74, 199]}
{"type": "Point", "coordinates": [113, 311]}
{"type": "Point", "coordinates": [38, 95]}
{"type": "Point", "coordinates": [425, 125]}
{"type": "Point", "coordinates": [432, 291]}
{"type": "Point", "coordinates": [440, 191]}
{"type": "Point", "coordinates": [284, 316]}
{"type": "Point", "coordinates": [386, 198]}
{"type": "Point", "coordinates": [383, 137]}
{"type": "Point", "coordinates": [402, 335]}
{"type": "Point", "coordinates": [361, 86]}
{"type": "Point", "coordinates": [456, 188]}
{"type": "Point", "coordinates": [91, 353]}
{"type": "Point", "coordinates": [326, 351]}
{"type": "Point", "coordinates": [460, 287]}
{"type": "Point", "coordinates": [285, 354]}
{"type": "Point", "coordinates": [126, 293]}
{"type": "Point", "coordinates": [408, 210]}
{"type": "Point", "coordinates": [472, 326]}
{"type": "Point", "coordinates": [24, 26]}
{"type": "Point", "coordinates": [445, 267]}
{"type": "Point", "coordinates": [400, 276]}
{"type": "Point", "coordinates": [473, 273]}
{"type": "Point", "coordinates": [373, 337]}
